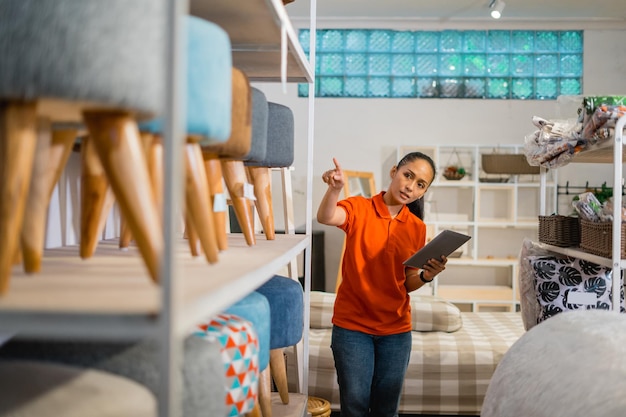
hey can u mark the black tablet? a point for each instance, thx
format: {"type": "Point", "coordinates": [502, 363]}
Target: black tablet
{"type": "Point", "coordinates": [444, 244]}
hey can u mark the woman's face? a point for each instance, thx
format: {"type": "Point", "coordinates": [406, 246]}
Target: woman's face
{"type": "Point", "coordinates": [410, 181]}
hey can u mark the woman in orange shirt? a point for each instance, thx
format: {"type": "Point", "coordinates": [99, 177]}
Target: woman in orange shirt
{"type": "Point", "coordinates": [371, 338]}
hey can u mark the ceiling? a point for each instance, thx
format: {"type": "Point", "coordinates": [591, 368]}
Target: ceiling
{"type": "Point", "coordinates": [608, 13]}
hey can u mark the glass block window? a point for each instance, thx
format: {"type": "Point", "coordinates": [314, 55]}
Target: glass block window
{"type": "Point", "coordinates": [478, 64]}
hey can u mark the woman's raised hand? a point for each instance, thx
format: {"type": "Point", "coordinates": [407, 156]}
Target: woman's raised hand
{"type": "Point", "coordinates": [334, 177]}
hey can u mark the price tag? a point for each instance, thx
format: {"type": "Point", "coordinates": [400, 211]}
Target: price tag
{"type": "Point", "coordinates": [219, 202]}
{"type": "Point", "coordinates": [248, 191]}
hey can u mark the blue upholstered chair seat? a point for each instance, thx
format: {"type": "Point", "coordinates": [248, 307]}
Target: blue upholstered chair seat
{"type": "Point", "coordinates": [208, 84]}
{"type": "Point", "coordinates": [285, 297]}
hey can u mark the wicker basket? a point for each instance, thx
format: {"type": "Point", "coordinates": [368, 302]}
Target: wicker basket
{"type": "Point", "coordinates": [318, 407]}
{"type": "Point", "coordinates": [597, 238]}
{"type": "Point", "coordinates": [563, 231]}
{"type": "Point", "coordinates": [510, 164]}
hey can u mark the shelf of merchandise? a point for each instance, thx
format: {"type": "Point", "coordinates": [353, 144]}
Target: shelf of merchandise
{"type": "Point", "coordinates": [486, 209]}
{"type": "Point", "coordinates": [609, 152]}
{"type": "Point", "coordinates": [111, 296]}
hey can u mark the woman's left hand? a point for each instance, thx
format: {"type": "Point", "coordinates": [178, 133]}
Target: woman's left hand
{"type": "Point", "coordinates": [434, 267]}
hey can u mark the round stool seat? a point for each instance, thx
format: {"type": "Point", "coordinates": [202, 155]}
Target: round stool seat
{"type": "Point", "coordinates": [318, 407]}
{"type": "Point", "coordinates": [285, 297]}
{"type": "Point", "coordinates": [240, 356]}
{"type": "Point", "coordinates": [39, 389]}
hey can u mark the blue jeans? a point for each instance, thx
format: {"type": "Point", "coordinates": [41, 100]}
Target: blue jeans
{"type": "Point", "coordinates": [370, 371]}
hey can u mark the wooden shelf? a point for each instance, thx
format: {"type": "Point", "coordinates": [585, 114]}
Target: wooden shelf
{"type": "Point", "coordinates": [254, 27]}
{"type": "Point", "coordinates": [600, 154]}
{"type": "Point", "coordinates": [476, 293]}
{"type": "Point", "coordinates": [112, 296]}
{"type": "Point", "coordinates": [578, 253]}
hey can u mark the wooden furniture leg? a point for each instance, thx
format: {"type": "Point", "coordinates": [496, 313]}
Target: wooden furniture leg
{"type": "Point", "coordinates": [198, 202]}
{"type": "Point", "coordinates": [52, 152]}
{"type": "Point", "coordinates": [279, 373]}
{"type": "Point", "coordinates": [235, 179]}
{"type": "Point", "coordinates": [265, 392]}
{"type": "Point", "coordinates": [118, 144]}
{"type": "Point", "coordinates": [216, 187]}
{"type": "Point", "coordinates": [260, 177]}
{"type": "Point", "coordinates": [18, 137]}
{"type": "Point", "coordinates": [96, 198]}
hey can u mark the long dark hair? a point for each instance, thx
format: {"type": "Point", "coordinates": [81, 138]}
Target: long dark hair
{"type": "Point", "coordinates": [417, 207]}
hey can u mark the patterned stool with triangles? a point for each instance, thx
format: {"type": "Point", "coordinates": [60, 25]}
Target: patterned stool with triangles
{"type": "Point", "coordinates": [240, 356]}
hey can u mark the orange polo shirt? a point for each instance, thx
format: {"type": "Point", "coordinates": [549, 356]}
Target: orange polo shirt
{"type": "Point", "coordinates": [372, 298]}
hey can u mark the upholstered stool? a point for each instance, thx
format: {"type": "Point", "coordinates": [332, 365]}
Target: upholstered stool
{"type": "Point", "coordinates": [209, 100]}
{"type": "Point", "coordinates": [240, 357]}
{"type": "Point", "coordinates": [38, 389]}
{"type": "Point", "coordinates": [571, 364]}
{"type": "Point", "coordinates": [285, 297]}
{"type": "Point", "coordinates": [68, 61]}
{"type": "Point", "coordinates": [243, 144]}
{"type": "Point", "coordinates": [280, 154]}
{"type": "Point", "coordinates": [203, 372]}
{"type": "Point", "coordinates": [258, 145]}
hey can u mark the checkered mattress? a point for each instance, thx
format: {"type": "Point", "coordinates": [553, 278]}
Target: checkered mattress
{"type": "Point", "coordinates": [448, 372]}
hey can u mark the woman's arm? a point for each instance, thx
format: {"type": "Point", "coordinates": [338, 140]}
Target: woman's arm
{"type": "Point", "coordinates": [417, 278]}
{"type": "Point", "coordinates": [328, 213]}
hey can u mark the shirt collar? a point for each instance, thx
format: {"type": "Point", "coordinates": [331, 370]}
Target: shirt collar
{"type": "Point", "coordinates": [383, 211]}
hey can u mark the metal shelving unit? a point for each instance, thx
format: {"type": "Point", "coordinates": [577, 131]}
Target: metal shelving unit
{"type": "Point", "coordinates": [111, 297]}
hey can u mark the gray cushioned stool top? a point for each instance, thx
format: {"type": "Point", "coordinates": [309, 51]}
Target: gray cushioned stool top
{"type": "Point", "coordinates": [108, 52]}
{"type": "Point", "coordinates": [36, 389]}
{"type": "Point", "coordinates": [258, 143]}
{"type": "Point", "coordinates": [203, 372]}
{"type": "Point", "coordinates": [280, 137]}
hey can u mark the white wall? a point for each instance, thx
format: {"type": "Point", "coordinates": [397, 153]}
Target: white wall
{"type": "Point", "coordinates": [363, 134]}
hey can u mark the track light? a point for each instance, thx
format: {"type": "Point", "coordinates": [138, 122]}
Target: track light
{"type": "Point", "coordinates": [496, 6]}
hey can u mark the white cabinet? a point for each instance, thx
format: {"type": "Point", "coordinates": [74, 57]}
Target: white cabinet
{"type": "Point", "coordinates": [610, 152]}
{"type": "Point", "coordinates": [497, 210]}
{"type": "Point", "coordinates": [111, 297]}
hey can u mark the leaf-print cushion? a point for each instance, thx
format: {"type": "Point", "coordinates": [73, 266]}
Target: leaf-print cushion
{"type": "Point", "coordinates": [564, 283]}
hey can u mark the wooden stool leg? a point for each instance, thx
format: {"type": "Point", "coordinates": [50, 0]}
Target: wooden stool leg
{"type": "Point", "coordinates": [96, 198]}
{"type": "Point", "coordinates": [125, 234]}
{"type": "Point", "coordinates": [117, 141]}
{"type": "Point", "coordinates": [260, 177]}
{"type": "Point", "coordinates": [235, 178]}
{"type": "Point", "coordinates": [155, 169]}
{"type": "Point", "coordinates": [18, 138]}
{"type": "Point", "coordinates": [265, 392]}
{"type": "Point", "coordinates": [214, 177]}
{"type": "Point", "coordinates": [198, 202]}
{"type": "Point", "coordinates": [279, 373]}
{"type": "Point", "coordinates": [51, 155]}
{"type": "Point", "coordinates": [256, 411]}
{"type": "Point", "coordinates": [192, 238]}
{"type": "Point", "coordinates": [147, 140]}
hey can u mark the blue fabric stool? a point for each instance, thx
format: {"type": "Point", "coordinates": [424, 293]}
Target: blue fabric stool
{"type": "Point", "coordinates": [286, 300]}
{"type": "Point", "coordinates": [68, 61]}
{"type": "Point", "coordinates": [280, 154]}
{"type": "Point", "coordinates": [209, 104]}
